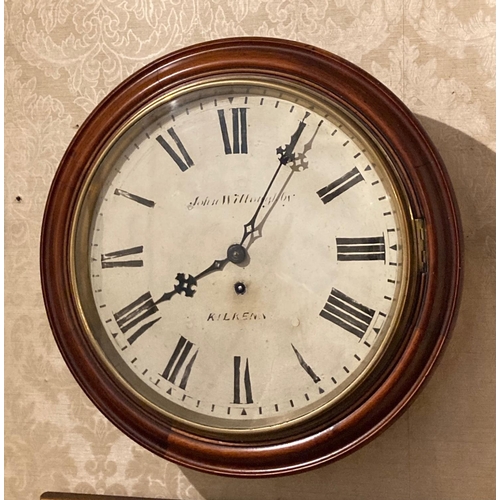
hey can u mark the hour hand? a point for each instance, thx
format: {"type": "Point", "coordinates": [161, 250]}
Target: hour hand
{"type": "Point", "coordinates": [217, 265]}
{"type": "Point", "coordinates": [235, 254]}
{"type": "Point", "coordinates": [187, 284]}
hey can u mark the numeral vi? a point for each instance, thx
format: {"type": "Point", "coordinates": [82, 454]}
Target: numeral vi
{"type": "Point", "coordinates": [242, 385]}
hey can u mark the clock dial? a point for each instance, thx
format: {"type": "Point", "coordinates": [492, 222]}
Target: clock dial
{"type": "Point", "coordinates": [247, 257]}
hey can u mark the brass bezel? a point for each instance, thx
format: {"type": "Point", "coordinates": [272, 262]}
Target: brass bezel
{"type": "Point", "coordinates": [82, 223]}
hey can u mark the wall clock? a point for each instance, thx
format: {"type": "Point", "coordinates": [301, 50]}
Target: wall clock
{"type": "Point", "coordinates": [250, 257]}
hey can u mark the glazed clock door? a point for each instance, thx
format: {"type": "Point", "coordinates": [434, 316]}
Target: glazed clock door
{"type": "Point", "coordinates": [247, 258]}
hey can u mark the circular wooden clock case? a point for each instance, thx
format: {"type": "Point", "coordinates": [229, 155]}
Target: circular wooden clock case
{"type": "Point", "coordinates": [250, 257]}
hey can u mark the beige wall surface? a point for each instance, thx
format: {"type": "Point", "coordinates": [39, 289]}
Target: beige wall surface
{"type": "Point", "coordinates": [62, 57]}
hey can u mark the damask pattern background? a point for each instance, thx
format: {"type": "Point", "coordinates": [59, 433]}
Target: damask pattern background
{"type": "Point", "coordinates": [63, 56]}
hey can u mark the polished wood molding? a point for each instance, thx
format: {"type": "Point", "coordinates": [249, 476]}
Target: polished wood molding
{"type": "Point", "coordinates": [421, 174]}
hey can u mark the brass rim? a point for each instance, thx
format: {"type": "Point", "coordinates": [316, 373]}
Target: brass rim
{"type": "Point", "coordinates": [80, 276]}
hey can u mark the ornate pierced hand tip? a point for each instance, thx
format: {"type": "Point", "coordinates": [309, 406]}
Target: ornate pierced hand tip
{"type": "Point", "coordinates": [299, 162]}
{"type": "Point", "coordinates": [185, 284]}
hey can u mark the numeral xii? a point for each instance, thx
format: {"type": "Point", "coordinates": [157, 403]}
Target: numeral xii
{"type": "Point", "coordinates": [239, 131]}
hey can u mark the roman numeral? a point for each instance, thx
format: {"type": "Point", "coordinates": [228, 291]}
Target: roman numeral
{"type": "Point", "coordinates": [134, 197]}
{"type": "Point", "coordinates": [239, 131]}
{"type": "Point", "coordinates": [347, 313]}
{"type": "Point", "coordinates": [183, 163]}
{"type": "Point", "coordinates": [135, 315]}
{"type": "Point", "coordinates": [339, 186]}
{"type": "Point", "coordinates": [305, 366]}
{"type": "Point", "coordinates": [242, 382]}
{"type": "Point", "coordinates": [357, 249]}
{"type": "Point", "coordinates": [109, 260]}
{"type": "Point", "coordinates": [180, 363]}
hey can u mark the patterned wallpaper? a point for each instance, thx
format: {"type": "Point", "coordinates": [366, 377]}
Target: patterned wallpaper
{"type": "Point", "coordinates": [63, 56]}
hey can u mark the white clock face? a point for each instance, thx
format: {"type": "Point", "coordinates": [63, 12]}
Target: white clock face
{"type": "Point", "coordinates": [304, 303]}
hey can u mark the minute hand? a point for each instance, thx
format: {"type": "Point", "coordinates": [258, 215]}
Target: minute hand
{"type": "Point", "coordinates": [286, 156]}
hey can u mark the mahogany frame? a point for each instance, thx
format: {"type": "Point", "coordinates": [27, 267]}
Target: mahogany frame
{"type": "Point", "coordinates": [430, 195]}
